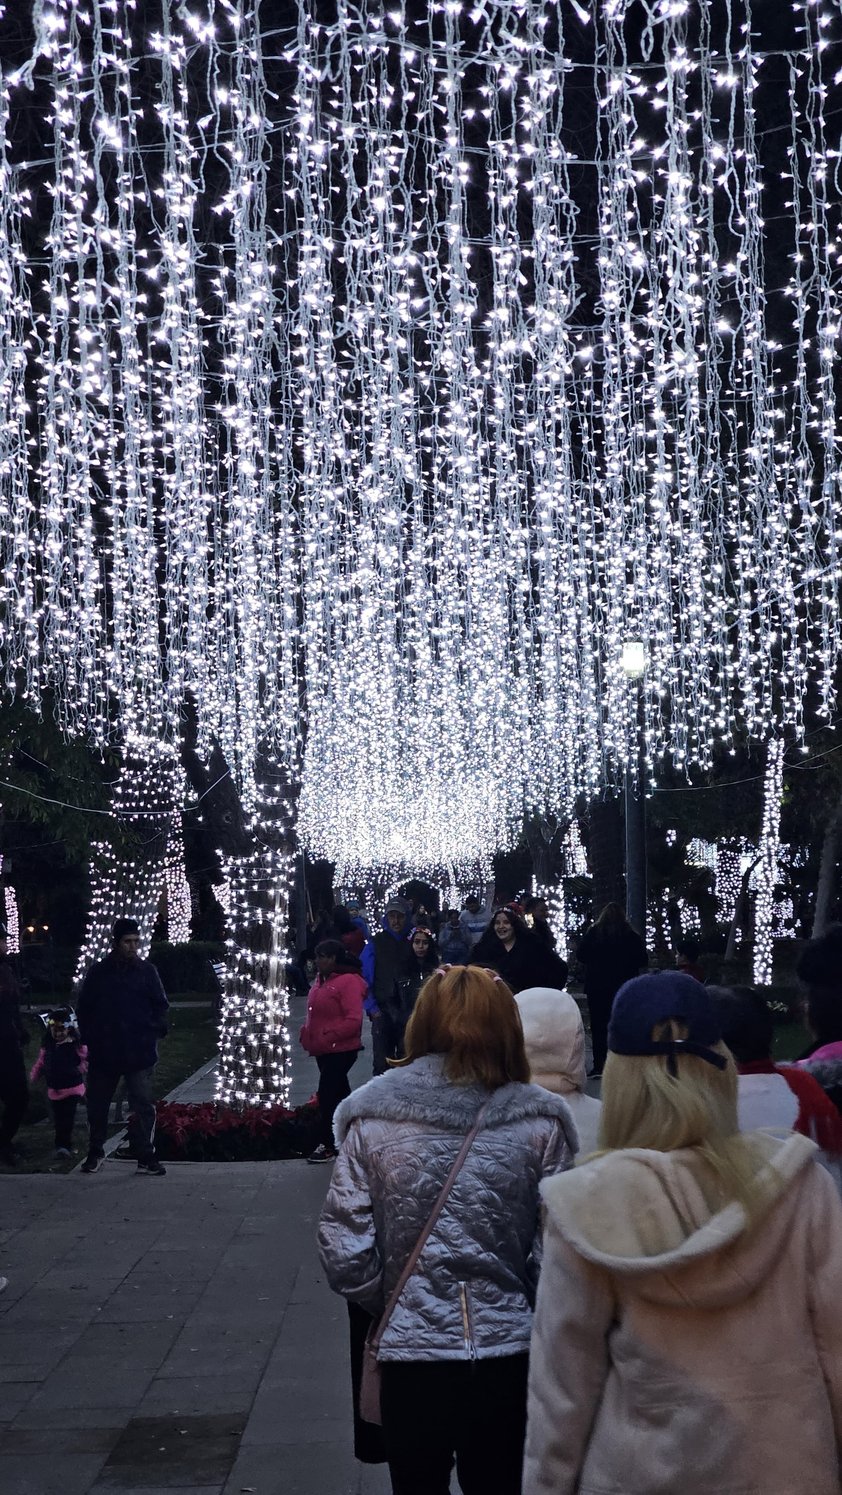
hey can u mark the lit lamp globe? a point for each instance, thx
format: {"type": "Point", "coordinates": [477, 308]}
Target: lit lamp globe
{"type": "Point", "coordinates": [634, 659]}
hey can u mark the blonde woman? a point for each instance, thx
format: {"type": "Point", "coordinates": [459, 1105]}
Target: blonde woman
{"type": "Point", "coordinates": [688, 1328]}
{"type": "Point", "coordinates": [454, 1350]}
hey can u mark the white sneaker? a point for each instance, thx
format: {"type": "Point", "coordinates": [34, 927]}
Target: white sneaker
{"type": "Point", "coordinates": [4, 1283]}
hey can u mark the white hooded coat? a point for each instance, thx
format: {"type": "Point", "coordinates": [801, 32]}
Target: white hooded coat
{"type": "Point", "coordinates": [678, 1351]}
{"type": "Point", "coordinates": [555, 1047]}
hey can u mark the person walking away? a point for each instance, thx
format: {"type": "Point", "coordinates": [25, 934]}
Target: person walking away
{"type": "Point", "coordinates": [14, 1093]}
{"type": "Point", "coordinates": [515, 954]}
{"type": "Point", "coordinates": [63, 1061]}
{"type": "Point", "coordinates": [780, 1096]}
{"type": "Point", "coordinates": [453, 947]}
{"type": "Point", "coordinates": [687, 959]}
{"type": "Point", "coordinates": [611, 952]}
{"type": "Point", "coordinates": [122, 1013]}
{"type": "Point", "coordinates": [453, 1354]}
{"type": "Point", "coordinates": [819, 969]}
{"type": "Point", "coordinates": [386, 959]}
{"type": "Point", "coordinates": [688, 1326]}
{"type": "Point", "coordinates": [536, 909]}
{"type": "Point", "coordinates": [554, 1035]}
{"type": "Point", "coordinates": [332, 1033]}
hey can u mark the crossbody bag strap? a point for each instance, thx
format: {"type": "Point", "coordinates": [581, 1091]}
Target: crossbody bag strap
{"type": "Point", "coordinates": [412, 1261]}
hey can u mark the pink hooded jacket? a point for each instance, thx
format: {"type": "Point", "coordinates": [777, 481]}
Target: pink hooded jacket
{"type": "Point", "coordinates": [334, 1015]}
{"type": "Point", "coordinates": [675, 1350]}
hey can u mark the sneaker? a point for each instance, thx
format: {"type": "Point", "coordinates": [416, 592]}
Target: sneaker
{"type": "Point", "coordinates": [323, 1154]}
{"type": "Point", "coordinates": [93, 1162]}
{"type": "Point", "coordinates": [4, 1283]}
{"type": "Point", "coordinates": [152, 1166]}
{"type": "Point", "coordinates": [125, 1153]}
{"type": "Point", "coordinates": [63, 1152]}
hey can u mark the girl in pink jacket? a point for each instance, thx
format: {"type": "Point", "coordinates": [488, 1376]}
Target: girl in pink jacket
{"type": "Point", "coordinates": [63, 1061]}
{"type": "Point", "coordinates": [688, 1324]}
{"type": "Point", "coordinates": [333, 1033]}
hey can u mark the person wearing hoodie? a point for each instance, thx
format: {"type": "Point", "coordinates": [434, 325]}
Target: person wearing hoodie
{"type": "Point", "coordinates": [554, 1035]}
{"type": "Point", "coordinates": [688, 1326]}
{"type": "Point", "coordinates": [386, 960]}
{"type": "Point", "coordinates": [332, 1033]}
{"type": "Point", "coordinates": [453, 1354]}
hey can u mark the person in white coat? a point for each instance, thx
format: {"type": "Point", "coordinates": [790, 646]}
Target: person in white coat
{"type": "Point", "coordinates": [554, 1035]}
{"type": "Point", "coordinates": [688, 1325]}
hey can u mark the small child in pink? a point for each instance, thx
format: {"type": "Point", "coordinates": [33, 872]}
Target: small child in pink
{"type": "Point", "coordinates": [63, 1061]}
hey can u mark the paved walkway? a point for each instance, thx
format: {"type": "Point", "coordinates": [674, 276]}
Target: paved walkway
{"type": "Point", "coordinates": [172, 1334]}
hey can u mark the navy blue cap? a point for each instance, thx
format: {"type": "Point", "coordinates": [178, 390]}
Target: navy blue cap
{"type": "Point", "coordinates": [645, 1001]}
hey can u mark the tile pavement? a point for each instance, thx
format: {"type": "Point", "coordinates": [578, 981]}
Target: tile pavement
{"type": "Point", "coordinates": [175, 1334]}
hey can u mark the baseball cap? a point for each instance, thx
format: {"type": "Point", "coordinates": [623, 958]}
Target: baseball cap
{"type": "Point", "coordinates": [645, 1001]}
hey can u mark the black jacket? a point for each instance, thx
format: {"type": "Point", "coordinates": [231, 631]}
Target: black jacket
{"type": "Point", "coordinates": [529, 962]}
{"type": "Point", "coordinates": [609, 960]}
{"type": "Point", "coordinates": [121, 1011]}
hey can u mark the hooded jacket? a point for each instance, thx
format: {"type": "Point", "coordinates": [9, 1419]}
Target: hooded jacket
{"type": "Point", "coordinates": [471, 1293]}
{"type": "Point", "coordinates": [334, 1015]}
{"type": "Point", "coordinates": [555, 1047]}
{"type": "Point", "coordinates": [677, 1349]}
{"type": "Point", "coordinates": [386, 959]}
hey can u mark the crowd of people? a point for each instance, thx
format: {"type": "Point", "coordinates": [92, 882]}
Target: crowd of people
{"type": "Point", "coordinates": [634, 1294]}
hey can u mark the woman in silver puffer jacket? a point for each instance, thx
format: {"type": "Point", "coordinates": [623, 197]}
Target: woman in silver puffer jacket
{"type": "Point", "coordinates": [454, 1354]}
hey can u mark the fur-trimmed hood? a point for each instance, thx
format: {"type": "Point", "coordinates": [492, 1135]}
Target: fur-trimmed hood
{"type": "Point", "coordinates": [421, 1092]}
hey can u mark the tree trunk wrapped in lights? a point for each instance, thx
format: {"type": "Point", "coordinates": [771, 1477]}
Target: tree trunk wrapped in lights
{"type": "Point", "coordinates": [767, 875]}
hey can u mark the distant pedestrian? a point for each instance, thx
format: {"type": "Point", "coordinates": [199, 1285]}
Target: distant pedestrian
{"type": "Point", "coordinates": [688, 1270]}
{"type": "Point", "coordinates": [536, 909]}
{"type": "Point", "coordinates": [348, 930]}
{"type": "Point", "coordinates": [554, 1035]}
{"type": "Point", "coordinates": [819, 969]}
{"type": "Point", "coordinates": [453, 946]}
{"type": "Point", "coordinates": [122, 1013]}
{"type": "Point", "coordinates": [386, 960]}
{"type": "Point", "coordinates": [611, 952]}
{"type": "Point", "coordinates": [474, 918]}
{"type": "Point", "coordinates": [425, 958]}
{"type": "Point", "coordinates": [63, 1061]}
{"type": "Point", "coordinates": [687, 953]}
{"type": "Point", "coordinates": [453, 1352]}
{"type": "Point", "coordinates": [14, 1093]}
{"type": "Point", "coordinates": [332, 1033]}
{"type": "Point", "coordinates": [514, 953]}
{"type": "Point", "coordinates": [769, 1094]}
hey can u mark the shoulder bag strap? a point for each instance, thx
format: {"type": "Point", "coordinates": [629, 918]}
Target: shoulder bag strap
{"type": "Point", "coordinates": [412, 1261]}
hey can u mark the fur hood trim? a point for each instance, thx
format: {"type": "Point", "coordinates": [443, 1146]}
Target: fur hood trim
{"type": "Point", "coordinates": [420, 1092]}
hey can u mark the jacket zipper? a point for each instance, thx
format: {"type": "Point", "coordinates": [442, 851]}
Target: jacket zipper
{"type": "Point", "coordinates": [467, 1325]}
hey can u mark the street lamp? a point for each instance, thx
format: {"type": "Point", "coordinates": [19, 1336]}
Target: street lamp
{"type": "Point", "coordinates": [634, 668]}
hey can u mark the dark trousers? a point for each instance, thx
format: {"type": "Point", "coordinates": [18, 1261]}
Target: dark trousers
{"type": "Point", "coordinates": [101, 1086]}
{"type": "Point", "coordinates": [472, 1412]}
{"type": "Point", "coordinates": [368, 1436]}
{"type": "Point", "coordinates": [14, 1095]}
{"type": "Point", "coordinates": [64, 1115]}
{"type": "Point", "coordinates": [599, 1010]}
{"type": "Point", "coordinates": [333, 1087]}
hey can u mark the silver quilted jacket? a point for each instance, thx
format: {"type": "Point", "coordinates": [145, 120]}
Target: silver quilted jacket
{"type": "Point", "coordinates": [472, 1291]}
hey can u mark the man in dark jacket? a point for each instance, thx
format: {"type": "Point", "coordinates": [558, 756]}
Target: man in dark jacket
{"type": "Point", "coordinates": [386, 960]}
{"type": "Point", "coordinates": [14, 1093]}
{"type": "Point", "coordinates": [122, 1013]}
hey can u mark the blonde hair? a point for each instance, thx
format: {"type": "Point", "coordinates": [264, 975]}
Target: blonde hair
{"type": "Point", "coordinates": [646, 1105]}
{"type": "Point", "coordinates": [470, 1016]}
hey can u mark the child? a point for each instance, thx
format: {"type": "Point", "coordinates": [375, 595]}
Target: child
{"type": "Point", "coordinates": [63, 1061]}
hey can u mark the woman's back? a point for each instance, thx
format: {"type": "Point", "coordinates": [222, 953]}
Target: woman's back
{"type": "Point", "coordinates": [471, 1291]}
{"type": "Point", "coordinates": [678, 1348]}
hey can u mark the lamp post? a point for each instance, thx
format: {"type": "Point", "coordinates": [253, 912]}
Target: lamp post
{"type": "Point", "coordinates": [634, 667]}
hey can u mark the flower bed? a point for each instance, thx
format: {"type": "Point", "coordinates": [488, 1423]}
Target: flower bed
{"type": "Point", "coordinates": [212, 1133]}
